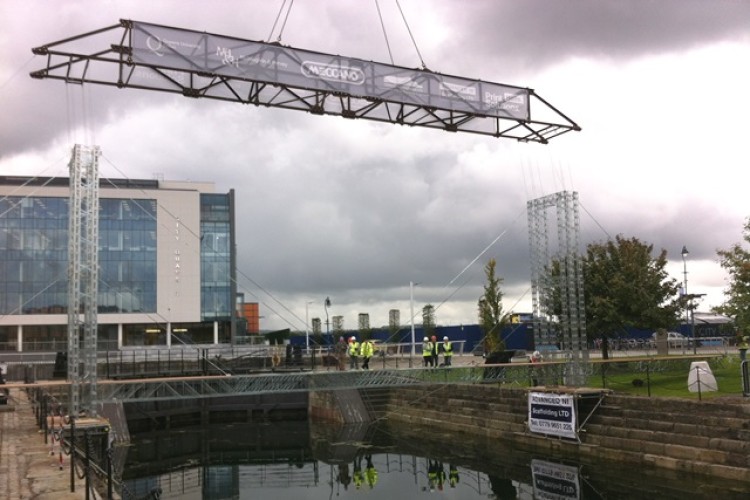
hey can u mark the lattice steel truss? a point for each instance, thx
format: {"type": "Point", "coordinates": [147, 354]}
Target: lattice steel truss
{"type": "Point", "coordinates": [235, 385]}
{"type": "Point", "coordinates": [108, 57]}
{"type": "Point", "coordinates": [83, 276]}
{"type": "Point", "coordinates": [557, 278]}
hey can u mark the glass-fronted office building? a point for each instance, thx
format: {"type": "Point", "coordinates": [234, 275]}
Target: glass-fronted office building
{"type": "Point", "coordinates": [166, 264]}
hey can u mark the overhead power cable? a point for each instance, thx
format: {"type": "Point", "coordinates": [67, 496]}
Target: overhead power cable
{"type": "Point", "coordinates": [609, 236]}
{"type": "Point", "coordinates": [17, 72]}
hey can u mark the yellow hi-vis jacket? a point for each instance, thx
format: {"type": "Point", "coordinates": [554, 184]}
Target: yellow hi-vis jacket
{"type": "Point", "coordinates": [371, 475]}
{"type": "Point", "coordinates": [426, 349]}
{"type": "Point", "coordinates": [354, 349]}
{"type": "Point", "coordinates": [367, 349]}
{"type": "Point", "coordinates": [448, 348]}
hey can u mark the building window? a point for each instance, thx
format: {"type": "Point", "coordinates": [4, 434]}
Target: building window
{"type": "Point", "coordinates": [34, 255]}
{"type": "Point", "coordinates": [216, 279]}
{"type": "Point", "coordinates": [127, 256]}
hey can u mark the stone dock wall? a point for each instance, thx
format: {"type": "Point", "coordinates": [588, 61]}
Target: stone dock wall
{"type": "Point", "coordinates": [710, 438]}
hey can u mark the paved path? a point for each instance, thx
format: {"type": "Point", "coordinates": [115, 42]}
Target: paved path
{"type": "Point", "coordinates": [27, 470]}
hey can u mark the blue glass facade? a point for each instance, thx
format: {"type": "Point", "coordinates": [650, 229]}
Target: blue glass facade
{"type": "Point", "coordinates": [33, 255]}
{"type": "Point", "coordinates": [34, 252]}
{"type": "Point", "coordinates": [217, 302]}
{"type": "Point", "coordinates": [127, 256]}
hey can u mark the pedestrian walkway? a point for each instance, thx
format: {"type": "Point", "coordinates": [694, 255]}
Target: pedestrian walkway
{"type": "Point", "coordinates": [27, 469]}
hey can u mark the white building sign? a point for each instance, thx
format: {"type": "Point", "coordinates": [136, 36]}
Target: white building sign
{"type": "Point", "coordinates": [552, 414]}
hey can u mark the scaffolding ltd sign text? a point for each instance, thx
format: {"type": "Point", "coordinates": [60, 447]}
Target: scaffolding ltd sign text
{"type": "Point", "coordinates": [552, 414]}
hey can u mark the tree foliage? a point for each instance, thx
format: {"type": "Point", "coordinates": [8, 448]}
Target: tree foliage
{"type": "Point", "coordinates": [736, 261]}
{"type": "Point", "coordinates": [490, 305]}
{"type": "Point", "coordinates": [625, 286]}
{"type": "Point", "coordinates": [428, 320]}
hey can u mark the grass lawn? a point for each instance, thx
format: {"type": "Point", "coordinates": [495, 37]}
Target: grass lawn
{"type": "Point", "coordinates": [664, 377]}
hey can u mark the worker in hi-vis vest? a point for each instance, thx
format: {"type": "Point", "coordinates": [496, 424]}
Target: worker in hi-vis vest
{"type": "Point", "coordinates": [447, 351]}
{"type": "Point", "coordinates": [427, 352]}
{"type": "Point", "coordinates": [366, 350]}
{"type": "Point", "coordinates": [371, 473]}
{"type": "Point", "coordinates": [353, 353]}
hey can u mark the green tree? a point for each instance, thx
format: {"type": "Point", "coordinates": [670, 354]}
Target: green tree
{"type": "Point", "coordinates": [490, 305]}
{"type": "Point", "coordinates": [625, 286]}
{"type": "Point", "coordinates": [736, 261]}
{"type": "Point", "coordinates": [337, 325]}
{"type": "Point", "coordinates": [428, 320]}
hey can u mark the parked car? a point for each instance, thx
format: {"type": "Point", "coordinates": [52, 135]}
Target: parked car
{"type": "Point", "coordinates": [508, 356]}
{"type": "Point", "coordinates": [675, 340]}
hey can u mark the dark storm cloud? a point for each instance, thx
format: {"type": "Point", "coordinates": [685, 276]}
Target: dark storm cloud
{"type": "Point", "coordinates": [532, 34]}
{"type": "Point", "coordinates": [357, 210]}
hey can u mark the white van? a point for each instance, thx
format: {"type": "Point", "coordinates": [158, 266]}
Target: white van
{"type": "Point", "coordinates": [674, 339]}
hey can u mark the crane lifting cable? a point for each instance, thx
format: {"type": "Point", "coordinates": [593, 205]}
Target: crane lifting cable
{"type": "Point", "coordinates": [139, 55]}
{"type": "Point", "coordinates": [408, 29]}
{"type": "Point", "coordinates": [385, 35]}
{"type": "Point", "coordinates": [283, 25]}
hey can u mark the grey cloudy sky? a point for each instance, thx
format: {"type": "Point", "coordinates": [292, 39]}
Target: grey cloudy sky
{"type": "Point", "coordinates": [355, 210]}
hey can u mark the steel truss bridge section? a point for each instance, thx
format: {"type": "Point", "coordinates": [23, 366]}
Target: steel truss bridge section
{"type": "Point", "coordinates": [128, 391]}
{"type": "Point", "coordinates": [139, 55]}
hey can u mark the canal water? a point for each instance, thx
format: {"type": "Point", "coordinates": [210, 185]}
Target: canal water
{"type": "Point", "coordinates": [300, 460]}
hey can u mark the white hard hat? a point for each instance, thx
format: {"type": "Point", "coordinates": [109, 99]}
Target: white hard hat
{"type": "Point", "coordinates": [445, 338]}
{"type": "Point", "coordinates": [426, 339]}
{"type": "Point", "coordinates": [354, 338]}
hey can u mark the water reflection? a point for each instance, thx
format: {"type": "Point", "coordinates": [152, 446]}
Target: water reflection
{"type": "Point", "coordinates": [300, 460]}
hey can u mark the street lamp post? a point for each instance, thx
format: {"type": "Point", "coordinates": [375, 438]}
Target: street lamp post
{"type": "Point", "coordinates": [685, 253]}
{"type": "Point", "coordinates": [307, 325]}
{"type": "Point", "coordinates": [411, 306]}
{"type": "Point", "coordinates": [689, 314]}
{"type": "Point", "coordinates": [327, 304]}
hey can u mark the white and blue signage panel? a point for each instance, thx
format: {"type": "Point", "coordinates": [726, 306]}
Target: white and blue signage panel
{"type": "Point", "coordinates": [186, 50]}
{"type": "Point", "coordinates": [552, 414]}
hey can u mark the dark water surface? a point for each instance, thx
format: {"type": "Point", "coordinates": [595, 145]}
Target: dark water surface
{"type": "Point", "coordinates": [300, 460]}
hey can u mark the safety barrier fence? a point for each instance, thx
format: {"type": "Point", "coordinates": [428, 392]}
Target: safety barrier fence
{"type": "Point", "coordinates": [183, 377]}
{"type": "Point", "coordinates": [83, 446]}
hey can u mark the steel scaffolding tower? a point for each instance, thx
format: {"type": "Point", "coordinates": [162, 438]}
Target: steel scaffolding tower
{"type": "Point", "coordinates": [83, 275]}
{"type": "Point", "coordinates": [557, 280]}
